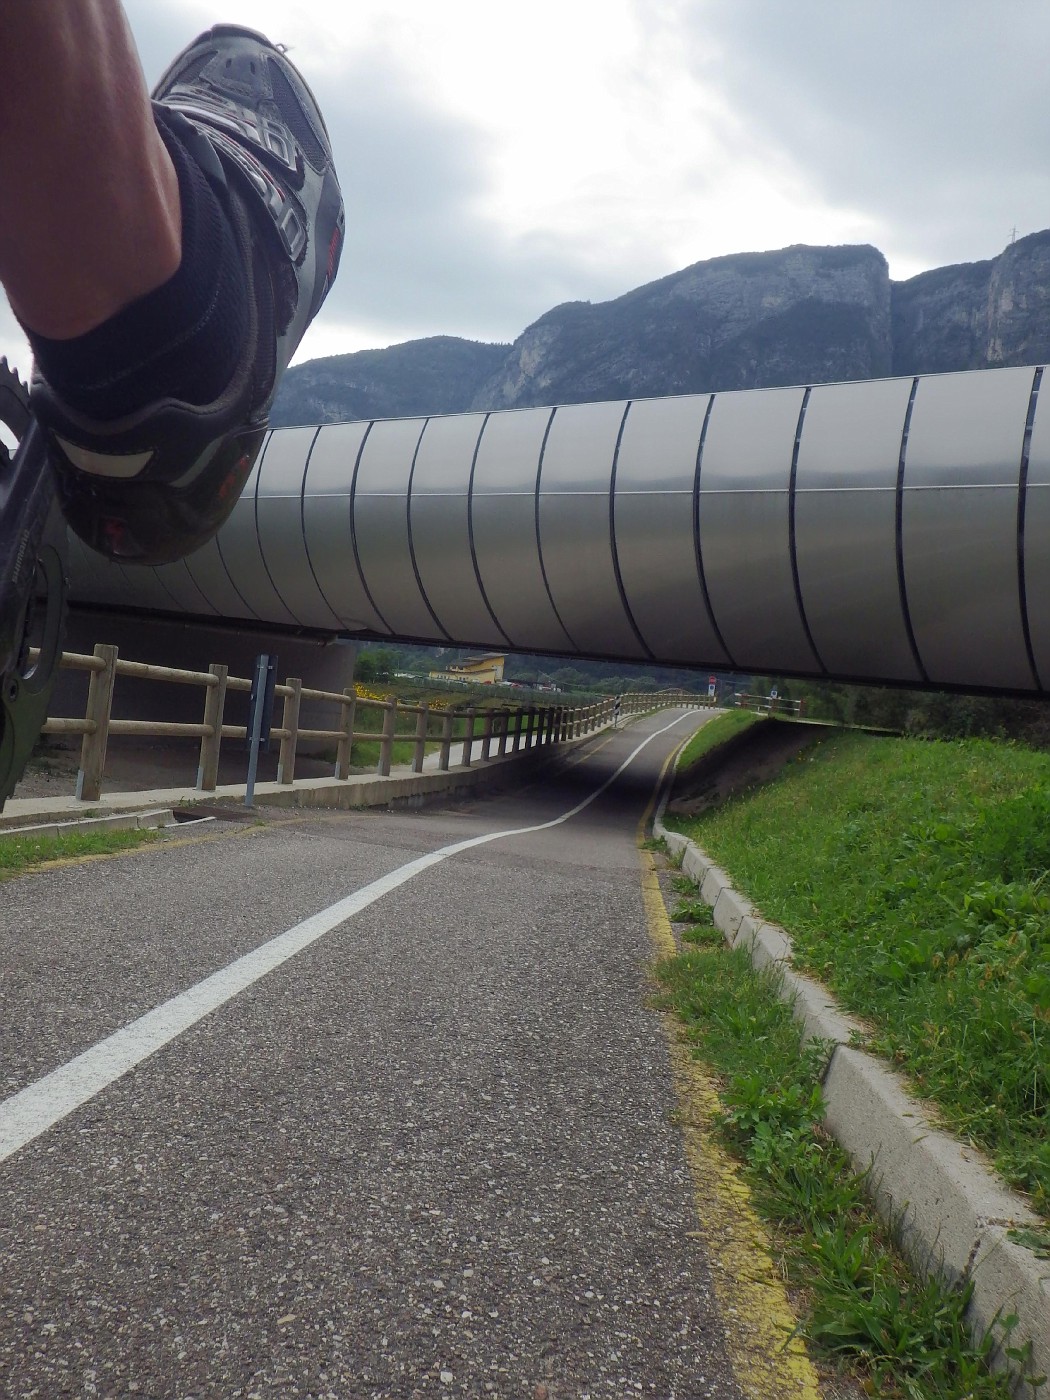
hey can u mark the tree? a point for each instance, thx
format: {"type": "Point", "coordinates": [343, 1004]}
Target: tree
{"type": "Point", "coordinates": [377, 663]}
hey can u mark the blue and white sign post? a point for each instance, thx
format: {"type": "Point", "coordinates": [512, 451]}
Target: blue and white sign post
{"type": "Point", "coordinates": [260, 717]}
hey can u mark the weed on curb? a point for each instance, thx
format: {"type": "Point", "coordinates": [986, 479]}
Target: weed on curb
{"type": "Point", "coordinates": [694, 916]}
{"type": "Point", "coordinates": [21, 854]}
{"type": "Point", "coordinates": [903, 1337]}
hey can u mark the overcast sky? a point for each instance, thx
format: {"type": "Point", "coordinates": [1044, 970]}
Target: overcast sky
{"type": "Point", "coordinates": [500, 158]}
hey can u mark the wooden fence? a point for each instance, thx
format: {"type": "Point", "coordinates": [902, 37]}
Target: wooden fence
{"type": "Point", "coordinates": [501, 729]}
{"type": "Point", "coordinates": [768, 704]}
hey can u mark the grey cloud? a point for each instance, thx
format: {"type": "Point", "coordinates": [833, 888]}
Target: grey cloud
{"type": "Point", "coordinates": [420, 258]}
{"type": "Point", "coordinates": [418, 251]}
{"type": "Point", "coordinates": [930, 117]}
{"type": "Point", "coordinates": [161, 28]}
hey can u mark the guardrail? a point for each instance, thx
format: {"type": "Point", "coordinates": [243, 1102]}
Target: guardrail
{"type": "Point", "coordinates": [502, 729]}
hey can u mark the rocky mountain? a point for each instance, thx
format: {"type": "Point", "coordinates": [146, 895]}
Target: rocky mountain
{"type": "Point", "coordinates": [437, 375]}
{"type": "Point", "coordinates": [750, 320]}
{"type": "Point", "coordinates": [738, 322]}
{"type": "Point", "coordinates": [976, 315]}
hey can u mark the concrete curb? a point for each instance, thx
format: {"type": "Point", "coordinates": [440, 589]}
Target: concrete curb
{"type": "Point", "coordinates": [947, 1207]}
{"type": "Point", "coordinates": [118, 821]}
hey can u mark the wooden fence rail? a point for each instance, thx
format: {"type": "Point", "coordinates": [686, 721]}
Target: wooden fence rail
{"type": "Point", "coordinates": [768, 704]}
{"type": "Point", "coordinates": [504, 729]}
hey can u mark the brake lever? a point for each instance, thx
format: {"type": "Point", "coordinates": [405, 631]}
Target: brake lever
{"type": "Point", "coordinates": [32, 590]}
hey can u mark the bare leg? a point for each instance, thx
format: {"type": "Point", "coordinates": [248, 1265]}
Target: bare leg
{"type": "Point", "coordinates": [89, 198]}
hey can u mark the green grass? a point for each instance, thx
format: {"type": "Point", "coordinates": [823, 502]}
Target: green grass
{"type": "Point", "coordinates": [913, 879]}
{"type": "Point", "coordinates": [714, 732]}
{"type": "Point", "coordinates": [862, 1307]}
{"type": "Point", "coordinates": [21, 853]}
{"type": "Point", "coordinates": [365, 753]}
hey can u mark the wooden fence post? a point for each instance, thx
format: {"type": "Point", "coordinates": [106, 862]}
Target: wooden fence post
{"type": "Point", "coordinates": [486, 736]}
{"type": "Point", "coordinates": [386, 746]}
{"type": "Point", "coordinates": [445, 756]}
{"type": "Point", "coordinates": [214, 707]}
{"type": "Point", "coordinates": [468, 737]}
{"type": "Point", "coordinates": [346, 724]}
{"type": "Point", "coordinates": [421, 738]}
{"type": "Point", "coordinates": [99, 705]}
{"type": "Point", "coordinates": [290, 723]}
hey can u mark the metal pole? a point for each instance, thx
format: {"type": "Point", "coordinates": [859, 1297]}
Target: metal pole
{"type": "Point", "coordinates": [262, 661]}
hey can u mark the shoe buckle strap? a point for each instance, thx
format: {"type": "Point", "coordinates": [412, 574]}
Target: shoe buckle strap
{"type": "Point", "coordinates": [283, 211]}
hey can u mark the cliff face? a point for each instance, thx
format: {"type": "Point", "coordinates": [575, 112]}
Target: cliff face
{"type": "Point", "coordinates": [976, 315]}
{"type": "Point", "coordinates": [751, 320]}
{"type": "Point", "coordinates": [740, 322]}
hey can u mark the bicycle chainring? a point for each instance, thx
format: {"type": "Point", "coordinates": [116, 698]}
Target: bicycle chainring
{"type": "Point", "coordinates": [32, 580]}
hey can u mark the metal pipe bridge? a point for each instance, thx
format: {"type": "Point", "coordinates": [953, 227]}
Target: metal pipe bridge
{"type": "Point", "coordinates": [892, 531]}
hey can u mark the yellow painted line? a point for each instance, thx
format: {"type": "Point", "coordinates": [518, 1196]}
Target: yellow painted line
{"type": "Point", "coordinates": [769, 1361]}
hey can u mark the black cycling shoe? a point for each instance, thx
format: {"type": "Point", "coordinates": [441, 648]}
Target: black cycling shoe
{"type": "Point", "coordinates": [154, 486]}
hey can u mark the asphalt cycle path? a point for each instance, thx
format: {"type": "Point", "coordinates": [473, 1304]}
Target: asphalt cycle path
{"type": "Point", "coordinates": [352, 1105]}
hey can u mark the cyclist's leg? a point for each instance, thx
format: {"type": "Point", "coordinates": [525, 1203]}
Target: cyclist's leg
{"type": "Point", "coordinates": [91, 217]}
{"type": "Point", "coordinates": [155, 385]}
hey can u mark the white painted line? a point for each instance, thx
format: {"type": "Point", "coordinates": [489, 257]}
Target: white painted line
{"type": "Point", "coordinates": [40, 1105]}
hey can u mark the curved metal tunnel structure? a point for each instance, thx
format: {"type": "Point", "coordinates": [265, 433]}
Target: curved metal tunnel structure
{"type": "Point", "coordinates": [890, 531]}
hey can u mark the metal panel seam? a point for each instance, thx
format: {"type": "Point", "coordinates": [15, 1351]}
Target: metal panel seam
{"type": "Point", "coordinates": [696, 536]}
{"type": "Point", "coordinates": [408, 530]}
{"type": "Point", "coordinates": [470, 533]}
{"type": "Point", "coordinates": [612, 537]}
{"type": "Point", "coordinates": [1022, 504]}
{"type": "Point", "coordinates": [902, 583]}
{"type": "Point", "coordinates": [539, 544]}
{"type": "Point", "coordinates": [184, 562]}
{"type": "Point", "coordinates": [218, 537]}
{"type": "Point", "coordinates": [175, 602]}
{"type": "Point", "coordinates": [353, 529]}
{"type": "Point", "coordinates": [258, 532]}
{"type": "Point", "coordinates": [302, 522]}
{"type": "Point", "coordinates": [792, 546]}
